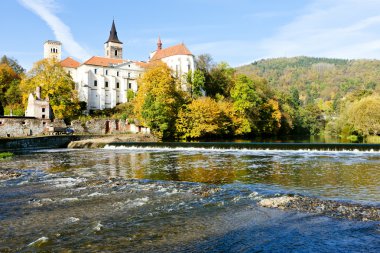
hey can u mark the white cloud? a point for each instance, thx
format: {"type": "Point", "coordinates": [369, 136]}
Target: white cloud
{"type": "Point", "coordinates": [339, 28]}
{"type": "Point", "coordinates": [46, 10]}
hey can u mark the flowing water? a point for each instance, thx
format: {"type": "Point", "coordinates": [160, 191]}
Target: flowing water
{"type": "Point", "coordinates": [184, 199]}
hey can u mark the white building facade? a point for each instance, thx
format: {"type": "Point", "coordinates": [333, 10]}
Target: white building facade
{"type": "Point", "coordinates": [104, 82]}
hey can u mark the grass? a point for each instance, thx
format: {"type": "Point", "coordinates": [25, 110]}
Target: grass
{"type": "Point", "coordinates": [4, 155]}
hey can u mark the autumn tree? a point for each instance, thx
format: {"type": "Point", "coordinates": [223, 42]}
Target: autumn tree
{"type": "Point", "coordinates": [202, 118]}
{"type": "Point", "coordinates": [157, 101]}
{"type": "Point", "coordinates": [13, 64]}
{"type": "Point", "coordinates": [56, 84]}
{"type": "Point", "coordinates": [10, 94]}
{"type": "Point", "coordinates": [364, 115]}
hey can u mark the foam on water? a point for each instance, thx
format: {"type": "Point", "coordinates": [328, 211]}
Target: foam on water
{"type": "Point", "coordinates": [238, 150]}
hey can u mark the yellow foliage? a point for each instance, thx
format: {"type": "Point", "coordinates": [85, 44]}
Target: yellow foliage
{"type": "Point", "coordinates": [56, 84]}
{"type": "Point", "coordinates": [364, 115]}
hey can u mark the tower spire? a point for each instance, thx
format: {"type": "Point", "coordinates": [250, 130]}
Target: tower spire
{"type": "Point", "coordinates": [113, 34]}
{"type": "Point", "coordinates": [159, 43]}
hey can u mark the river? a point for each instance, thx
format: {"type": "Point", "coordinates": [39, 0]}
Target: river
{"type": "Point", "coordinates": [184, 199]}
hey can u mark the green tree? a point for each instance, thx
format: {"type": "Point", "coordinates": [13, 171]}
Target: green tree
{"type": "Point", "coordinates": [56, 84]}
{"type": "Point", "coordinates": [157, 101]}
{"type": "Point", "coordinates": [220, 80]}
{"type": "Point", "coordinates": [246, 100]}
{"type": "Point", "coordinates": [196, 80]}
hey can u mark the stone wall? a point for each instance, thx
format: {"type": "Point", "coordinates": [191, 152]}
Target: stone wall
{"type": "Point", "coordinates": [106, 126]}
{"type": "Point", "coordinates": [37, 142]}
{"type": "Point", "coordinates": [26, 126]}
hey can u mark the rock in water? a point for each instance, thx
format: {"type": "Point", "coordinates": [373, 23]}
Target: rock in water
{"type": "Point", "coordinates": [39, 242]}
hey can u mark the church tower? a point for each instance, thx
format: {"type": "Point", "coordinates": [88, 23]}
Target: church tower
{"type": "Point", "coordinates": [113, 47]}
{"type": "Point", "coordinates": [53, 49]}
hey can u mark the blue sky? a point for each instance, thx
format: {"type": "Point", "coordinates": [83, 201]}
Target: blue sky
{"type": "Point", "coordinates": [237, 32]}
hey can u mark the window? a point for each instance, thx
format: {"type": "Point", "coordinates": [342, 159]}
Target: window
{"type": "Point", "coordinates": [43, 116]}
{"type": "Point", "coordinates": [95, 83]}
{"type": "Point", "coordinates": [106, 71]}
{"type": "Point", "coordinates": [43, 109]}
{"type": "Point", "coordinates": [129, 85]}
{"type": "Point", "coordinates": [95, 71]}
{"type": "Point", "coordinates": [117, 73]}
{"type": "Point", "coordinates": [115, 52]}
{"type": "Point", "coordinates": [106, 84]}
{"type": "Point", "coordinates": [188, 68]}
{"type": "Point", "coordinates": [129, 75]}
{"type": "Point", "coordinates": [117, 85]}
{"type": "Point", "coordinates": [1, 122]}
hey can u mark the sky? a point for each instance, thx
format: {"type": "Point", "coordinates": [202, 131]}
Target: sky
{"type": "Point", "coordinates": [237, 32]}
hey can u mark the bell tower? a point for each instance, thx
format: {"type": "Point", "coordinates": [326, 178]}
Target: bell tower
{"type": "Point", "coordinates": [53, 49]}
{"type": "Point", "coordinates": [113, 47]}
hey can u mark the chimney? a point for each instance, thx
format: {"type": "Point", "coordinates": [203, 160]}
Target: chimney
{"type": "Point", "coordinates": [38, 92]}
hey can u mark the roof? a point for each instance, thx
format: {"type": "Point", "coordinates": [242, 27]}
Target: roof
{"type": "Point", "coordinates": [142, 64]}
{"type": "Point", "coordinates": [56, 42]}
{"type": "Point", "coordinates": [179, 49]}
{"type": "Point", "coordinates": [113, 34]}
{"type": "Point", "coordinates": [103, 61]}
{"type": "Point", "coordinates": [70, 63]}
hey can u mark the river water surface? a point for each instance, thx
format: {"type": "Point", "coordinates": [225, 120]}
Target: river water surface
{"type": "Point", "coordinates": [157, 199]}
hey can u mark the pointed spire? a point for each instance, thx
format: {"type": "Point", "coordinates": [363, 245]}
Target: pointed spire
{"type": "Point", "coordinates": [113, 34]}
{"type": "Point", "coordinates": [159, 43]}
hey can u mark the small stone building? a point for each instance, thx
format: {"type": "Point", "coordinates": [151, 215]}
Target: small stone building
{"type": "Point", "coordinates": [37, 107]}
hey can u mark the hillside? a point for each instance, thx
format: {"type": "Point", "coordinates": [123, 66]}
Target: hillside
{"type": "Point", "coordinates": [317, 78]}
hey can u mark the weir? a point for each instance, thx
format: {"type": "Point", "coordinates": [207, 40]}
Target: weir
{"type": "Point", "coordinates": [254, 146]}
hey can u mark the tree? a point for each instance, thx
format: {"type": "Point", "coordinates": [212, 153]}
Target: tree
{"type": "Point", "coordinates": [196, 80]}
{"type": "Point", "coordinates": [364, 115]}
{"type": "Point", "coordinates": [246, 100]}
{"type": "Point", "coordinates": [1, 109]}
{"type": "Point", "coordinates": [202, 118]}
{"type": "Point", "coordinates": [13, 64]}
{"type": "Point", "coordinates": [56, 84]}
{"type": "Point", "coordinates": [220, 80]}
{"type": "Point", "coordinates": [157, 101]}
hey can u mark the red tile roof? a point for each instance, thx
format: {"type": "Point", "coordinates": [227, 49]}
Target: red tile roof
{"type": "Point", "coordinates": [179, 49]}
{"type": "Point", "coordinates": [102, 61]}
{"type": "Point", "coordinates": [70, 63]}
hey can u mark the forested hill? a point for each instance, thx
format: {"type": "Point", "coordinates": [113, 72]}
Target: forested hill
{"type": "Point", "coordinates": [317, 78]}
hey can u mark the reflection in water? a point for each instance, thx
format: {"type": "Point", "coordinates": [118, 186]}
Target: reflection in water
{"type": "Point", "coordinates": [346, 175]}
{"type": "Point", "coordinates": [167, 200]}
